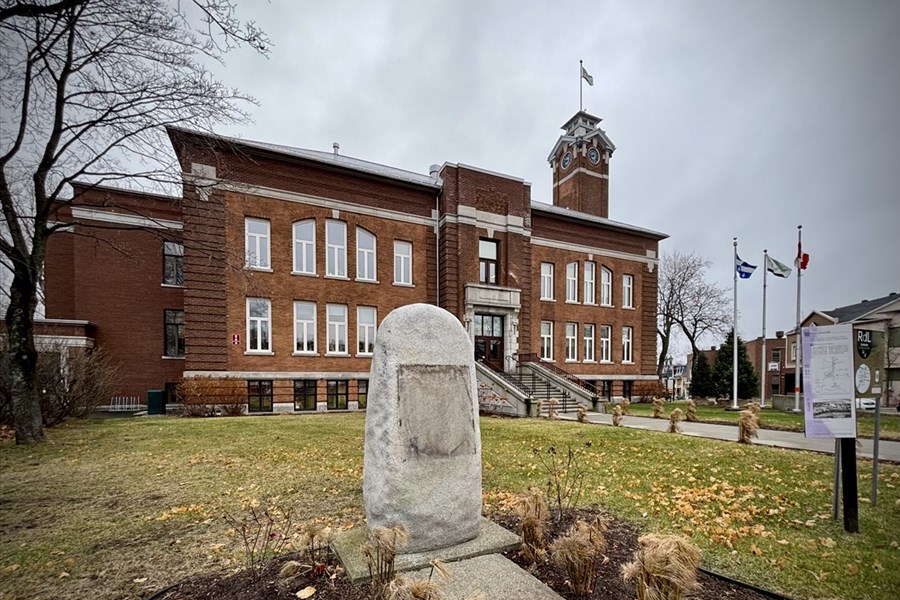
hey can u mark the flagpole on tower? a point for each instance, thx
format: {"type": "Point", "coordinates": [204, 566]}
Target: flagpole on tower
{"type": "Point", "coordinates": [734, 344]}
{"type": "Point", "coordinates": [580, 85]}
{"type": "Point", "coordinates": [763, 366]}
{"type": "Point", "coordinates": [799, 353]}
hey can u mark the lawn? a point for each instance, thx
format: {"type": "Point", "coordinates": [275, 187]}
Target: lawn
{"type": "Point", "coordinates": [771, 418]}
{"type": "Point", "coordinates": [117, 508]}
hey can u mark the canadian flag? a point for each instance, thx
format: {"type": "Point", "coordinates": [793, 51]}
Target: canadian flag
{"type": "Point", "coordinates": [802, 259]}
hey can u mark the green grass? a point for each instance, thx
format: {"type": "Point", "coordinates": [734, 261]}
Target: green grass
{"type": "Point", "coordinates": [776, 419]}
{"type": "Point", "coordinates": [117, 508]}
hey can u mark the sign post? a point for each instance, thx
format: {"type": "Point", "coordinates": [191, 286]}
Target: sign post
{"type": "Point", "coordinates": [868, 365]}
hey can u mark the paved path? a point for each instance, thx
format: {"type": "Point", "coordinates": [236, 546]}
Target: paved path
{"type": "Point", "coordinates": [888, 451]}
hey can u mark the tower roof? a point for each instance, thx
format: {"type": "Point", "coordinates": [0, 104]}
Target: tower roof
{"type": "Point", "coordinates": [583, 127]}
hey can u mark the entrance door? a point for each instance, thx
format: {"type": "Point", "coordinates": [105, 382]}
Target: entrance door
{"type": "Point", "coordinates": [489, 340]}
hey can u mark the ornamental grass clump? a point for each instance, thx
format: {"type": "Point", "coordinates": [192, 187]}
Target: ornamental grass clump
{"type": "Point", "coordinates": [754, 408]}
{"type": "Point", "coordinates": [381, 549]}
{"type": "Point", "coordinates": [674, 421]}
{"type": "Point", "coordinates": [533, 517]}
{"type": "Point", "coordinates": [539, 408]}
{"type": "Point", "coordinates": [748, 426]}
{"type": "Point", "coordinates": [407, 588]}
{"type": "Point", "coordinates": [617, 416]}
{"type": "Point", "coordinates": [690, 413]}
{"type": "Point", "coordinates": [626, 403]}
{"type": "Point", "coordinates": [582, 414]}
{"type": "Point", "coordinates": [579, 552]}
{"type": "Point", "coordinates": [664, 568]}
{"type": "Point", "coordinates": [552, 412]}
{"type": "Point", "coordinates": [658, 408]}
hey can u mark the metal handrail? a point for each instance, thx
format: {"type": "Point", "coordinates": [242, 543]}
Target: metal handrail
{"type": "Point", "coordinates": [549, 393]}
{"type": "Point", "coordinates": [507, 378]}
{"type": "Point", "coordinates": [571, 378]}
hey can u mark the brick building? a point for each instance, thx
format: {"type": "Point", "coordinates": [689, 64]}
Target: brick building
{"type": "Point", "coordinates": [288, 259]}
{"type": "Point", "coordinates": [771, 368]}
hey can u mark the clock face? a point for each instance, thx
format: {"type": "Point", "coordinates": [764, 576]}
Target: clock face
{"type": "Point", "coordinates": [863, 378]}
{"type": "Point", "coordinates": [594, 155]}
{"type": "Point", "coordinates": [566, 160]}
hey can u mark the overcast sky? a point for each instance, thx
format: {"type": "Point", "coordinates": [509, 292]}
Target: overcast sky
{"type": "Point", "coordinates": [730, 118]}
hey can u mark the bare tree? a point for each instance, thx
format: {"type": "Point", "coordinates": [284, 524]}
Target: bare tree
{"type": "Point", "coordinates": [86, 88]}
{"type": "Point", "coordinates": [688, 303]}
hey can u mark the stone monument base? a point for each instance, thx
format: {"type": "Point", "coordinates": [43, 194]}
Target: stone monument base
{"type": "Point", "coordinates": [491, 539]}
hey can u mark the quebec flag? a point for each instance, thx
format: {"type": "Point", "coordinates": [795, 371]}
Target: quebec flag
{"type": "Point", "coordinates": [744, 269]}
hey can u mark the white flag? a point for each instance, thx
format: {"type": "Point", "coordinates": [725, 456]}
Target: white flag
{"type": "Point", "coordinates": [776, 268]}
{"type": "Point", "coordinates": [587, 76]}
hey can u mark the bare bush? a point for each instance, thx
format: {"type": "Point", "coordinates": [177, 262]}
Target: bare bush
{"type": "Point", "coordinates": [263, 533]}
{"type": "Point", "coordinates": [649, 389]}
{"type": "Point", "coordinates": [565, 475]}
{"type": "Point", "coordinates": [202, 395]}
{"type": "Point", "coordinates": [579, 551]}
{"type": "Point", "coordinates": [664, 567]}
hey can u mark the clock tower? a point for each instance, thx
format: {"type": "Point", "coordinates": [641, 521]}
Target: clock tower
{"type": "Point", "coordinates": [580, 163]}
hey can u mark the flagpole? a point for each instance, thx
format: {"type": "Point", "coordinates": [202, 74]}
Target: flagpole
{"type": "Point", "coordinates": [580, 85]}
{"type": "Point", "coordinates": [734, 344]}
{"type": "Point", "coordinates": [799, 347]}
{"type": "Point", "coordinates": [763, 365]}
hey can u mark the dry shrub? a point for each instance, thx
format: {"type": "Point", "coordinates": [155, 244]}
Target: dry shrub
{"type": "Point", "coordinates": [582, 414]}
{"type": "Point", "coordinates": [381, 549]}
{"type": "Point", "coordinates": [201, 395]}
{"type": "Point", "coordinates": [753, 407]}
{"type": "Point", "coordinates": [748, 426]}
{"type": "Point", "coordinates": [579, 551]}
{"type": "Point", "coordinates": [617, 416]}
{"type": "Point", "coordinates": [552, 413]}
{"type": "Point", "coordinates": [533, 516]}
{"type": "Point", "coordinates": [263, 533]}
{"type": "Point", "coordinates": [658, 408]}
{"type": "Point", "coordinates": [539, 408]}
{"type": "Point", "coordinates": [407, 588]}
{"type": "Point", "coordinates": [674, 421]}
{"type": "Point", "coordinates": [649, 389]}
{"type": "Point", "coordinates": [626, 403]}
{"type": "Point", "coordinates": [317, 539]}
{"type": "Point", "coordinates": [664, 567]}
{"type": "Point", "coordinates": [691, 411]}
{"type": "Point", "coordinates": [565, 475]}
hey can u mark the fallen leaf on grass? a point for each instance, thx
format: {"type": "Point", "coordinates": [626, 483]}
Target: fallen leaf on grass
{"type": "Point", "coordinates": [852, 570]}
{"type": "Point", "coordinates": [63, 575]}
{"type": "Point", "coordinates": [878, 567]}
{"type": "Point", "coordinates": [827, 542]}
{"type": "Point", "coordinates": [755, 549]}
{"type": "Point", "coordinates": [822, 576]}
{"type": "Point", "coordinates": [306, 592]}
{"type": "Point", "coordinates": [10, 569]}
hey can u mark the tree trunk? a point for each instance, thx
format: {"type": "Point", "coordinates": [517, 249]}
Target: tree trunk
{"type": "Point", "coordinates": [26, 405]}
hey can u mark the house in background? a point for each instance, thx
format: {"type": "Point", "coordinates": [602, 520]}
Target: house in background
{"type": "Point", "coordinates": [278, 264]}
{"type": "Point", "coordinates": [770, 369]}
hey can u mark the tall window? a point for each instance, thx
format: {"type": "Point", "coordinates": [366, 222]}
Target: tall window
{"type": "Point", "coordinates": [487, 261]}
{"type": "Point", "coordinates": [174, 333]}
{"type": "Point", "coordinates": [305, 394]}
{"type": "Point", "coordinates": [259, 396]}
{"type": "Point", "coordinates": [627, 354]}
{"type": "Point", "coordinates": [335, 248]}
{"type": "Point", "coordinates": [776, 356]}
{"type": "Point", "coordinates": [305, 247]}
{"type": "Point", "coordinates": [305, 327]}
{"type": "Point", "coordinates": [362, 394]}
{"type": "Point", "coordinates": [605, 287]}
{"type": "Point", "coordinates": [590, 282]}
{"type": "Point", "coordinates": [793, 351]}
{"type": "Point", "coordinates": [572, 282]}
{"type": "Point", "coordinates": [259, 331]}
{"type": "Point", "coordinates": [571, 341]}
{"type": "Point", "coordinates": [365, 255]}
{"type": "Point", "coordinates": [337, 328]}
{"type": "Point", "coordinates": [173, 263]}
{"type": "Point", "coordinates": [605, 343]}
{"type": "Point", "coordinates": [588, 342]}
{"type": "Point", "coordinates": [337, 394]}
{"type": "Point", "coordinates": [547, 340]}
{"type": "Point", "coordinates": [627, 389]}
{"type": "Point", "coordinates": [628, 291]}
{"type": "Point", "coordinates": [365, 328]}
{"type": "Point", "coordinates": [546, 281]}
{"type": "Point", "coordinates": [403, 263]}
{"type": "Point", "coordinates": [256, 243]}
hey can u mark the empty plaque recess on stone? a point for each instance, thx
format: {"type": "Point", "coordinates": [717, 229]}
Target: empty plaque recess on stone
{"type": "Point", "coordinates": [435, 411]}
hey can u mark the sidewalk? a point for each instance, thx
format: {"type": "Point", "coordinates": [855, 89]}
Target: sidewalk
{"type": "Point", "coordinates": [888, 451]}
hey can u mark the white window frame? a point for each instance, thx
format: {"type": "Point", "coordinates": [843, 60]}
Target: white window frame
{"type": "Point", "coordinates": [793, 351]}
{"type": "Point", "coordinates": [627, 345]}
{"type": "Point", "coordinates": [590, 331]}
{"type": "Point", "coordinates": [572, 282]}
{"type": "Point", "coordinates": [590, 282]}
{"type": "Point", "coordinates": [547, 281]}
{"type": "Point", "coordinates": [365, 332]}
{"type": "Point", "coordinates": [255, 243]}
{"type": "Point", "coordinates": [336, 250]}
{"type": "Point", "coordinates": [547, 340]}
{"type": "Point", "coordinates": [606, 290]}
{"type": "Point", "coordinates": [571, 342]}
{"type": "Point", "coordinates": [627, 291]}
{"type": "Point", "coordinates": [403, 259]}
{"type": "Point", "coordinates": [302, 327]}
{"type": "Point", "coordinates": [256, 323]}
{"type": "Point", "coordinates": [606, 343]}
{"type": "Point", "coordinates": [304, 249]}
{"type": "Point", "coordinates": [336, 331]}
{"type": "Point", "coordinates": [366, 258]}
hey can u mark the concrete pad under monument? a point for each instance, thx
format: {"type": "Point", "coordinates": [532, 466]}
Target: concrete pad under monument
{"type": "Point", "coordinates": [422, 461]}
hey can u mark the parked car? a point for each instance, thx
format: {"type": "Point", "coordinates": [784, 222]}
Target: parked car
{"type": "Point", "coordinates": [865, 403]}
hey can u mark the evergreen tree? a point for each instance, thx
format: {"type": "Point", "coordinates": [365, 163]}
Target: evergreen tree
{"type": "Point", "coordinates": [702, 378]}
{"type": "Point", "coordinates": [748, 380]}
